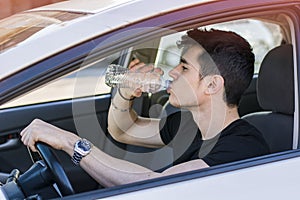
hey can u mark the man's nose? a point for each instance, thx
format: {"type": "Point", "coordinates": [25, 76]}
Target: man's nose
{"type": "Point", "coordinates": [173, 73]}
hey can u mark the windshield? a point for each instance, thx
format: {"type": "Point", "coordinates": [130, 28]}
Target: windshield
{"type": "Point", "coordinates": [19, 27]}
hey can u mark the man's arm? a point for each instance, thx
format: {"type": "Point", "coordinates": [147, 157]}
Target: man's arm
{"type": "Point", "coordinates": [105, 169]}
{"type": "Point", "coordinates": [110, 171]}
{"type": "Point", "coordinates": [126, 126]}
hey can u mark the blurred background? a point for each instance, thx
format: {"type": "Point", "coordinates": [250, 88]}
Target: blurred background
{"type": "Point", "coordinates": [9, 7]}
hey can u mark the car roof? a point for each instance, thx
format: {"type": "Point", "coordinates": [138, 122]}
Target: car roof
{"type": "Point", "coordinates": [100, 16]}
{"type": "Point", "coordinates": [93, 6]}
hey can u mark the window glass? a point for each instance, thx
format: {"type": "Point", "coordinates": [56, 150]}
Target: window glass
{"type": "Point", "coordinates": [262, 36]}
{"type": "Point", "coordinates": [89, 80]}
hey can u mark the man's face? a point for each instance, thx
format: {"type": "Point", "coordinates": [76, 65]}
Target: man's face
{"type": "Point", "coordinates": [187, 88]}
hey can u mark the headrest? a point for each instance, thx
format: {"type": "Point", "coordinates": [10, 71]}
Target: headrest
{"type": "Point", "coordinates": [275, 84]}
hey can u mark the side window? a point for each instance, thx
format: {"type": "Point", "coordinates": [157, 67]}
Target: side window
{"type": "Point", "coordinates": [89, 80]}
{"type": "Point", "coordinates": [163, 52]}
{"type": "Point", "coordinates": [262, 36]}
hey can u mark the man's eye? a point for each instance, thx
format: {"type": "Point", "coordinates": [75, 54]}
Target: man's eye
{"type": "Point", "coordinates": [184, 68]}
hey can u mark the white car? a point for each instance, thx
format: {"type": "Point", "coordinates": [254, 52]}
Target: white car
{"type": "Point", "coordinates": [53, 62]}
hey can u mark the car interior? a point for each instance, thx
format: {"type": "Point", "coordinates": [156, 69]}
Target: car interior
{"type": "Point", "coordinates": [268, 103]}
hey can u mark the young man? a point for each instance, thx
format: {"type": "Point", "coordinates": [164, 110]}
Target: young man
{"type": "Point", "coordinates": [216, 67]}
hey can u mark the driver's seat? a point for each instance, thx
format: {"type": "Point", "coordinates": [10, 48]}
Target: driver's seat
{"type": "Point", "coordinates": [275, 92]}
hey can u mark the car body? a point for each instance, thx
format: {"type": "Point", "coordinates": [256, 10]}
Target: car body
{"type": "Point", "coordinates": [53, 66]}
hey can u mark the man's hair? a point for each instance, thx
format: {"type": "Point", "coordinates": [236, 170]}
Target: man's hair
{"type": "Point", "coordinates": [227, 54]}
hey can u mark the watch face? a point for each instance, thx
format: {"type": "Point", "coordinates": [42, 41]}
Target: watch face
{"type": "Point", "coordinates": [84, 145]}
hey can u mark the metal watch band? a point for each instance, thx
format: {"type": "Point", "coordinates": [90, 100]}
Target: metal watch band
{"type": "Point", "coordinates": [76, 158]}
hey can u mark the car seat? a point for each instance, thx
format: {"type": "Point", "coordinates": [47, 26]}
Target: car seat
{"type": "Point", "coordinates": [275, 90]}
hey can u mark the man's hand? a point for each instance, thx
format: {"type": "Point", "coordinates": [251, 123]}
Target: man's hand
{"type": "Point", "coordinates": [40, 131]}
{"type": "Point", "coordinates": [139, 67]}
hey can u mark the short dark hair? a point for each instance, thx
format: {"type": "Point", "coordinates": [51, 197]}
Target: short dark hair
{"type": "Point", "coordinates": [230, 53]}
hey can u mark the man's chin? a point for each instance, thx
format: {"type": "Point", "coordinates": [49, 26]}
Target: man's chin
{"type": "Point", "coordinates": [174, 103]}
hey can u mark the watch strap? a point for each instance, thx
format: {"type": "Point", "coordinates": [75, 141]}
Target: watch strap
{"type": "Point", "coordinates": [76, 158]}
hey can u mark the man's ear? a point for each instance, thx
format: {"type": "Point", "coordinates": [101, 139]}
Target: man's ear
{"type": "Point", "coordinates": [214, 84]}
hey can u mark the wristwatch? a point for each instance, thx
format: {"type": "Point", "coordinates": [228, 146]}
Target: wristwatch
{"type": "Point", "coordinates": [81, 148]}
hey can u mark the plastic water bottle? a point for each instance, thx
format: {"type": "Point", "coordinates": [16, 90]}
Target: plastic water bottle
{"type": "Point", "coordinates": [121, 77]}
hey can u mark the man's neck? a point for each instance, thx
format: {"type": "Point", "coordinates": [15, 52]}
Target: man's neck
{"type": "Point", "coordinates": [212, 120]}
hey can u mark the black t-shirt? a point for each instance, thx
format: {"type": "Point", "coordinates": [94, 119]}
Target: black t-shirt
{"type": "Point", "coordinates": [239, 140]}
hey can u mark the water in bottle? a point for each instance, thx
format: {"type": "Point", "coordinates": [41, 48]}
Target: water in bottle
{"type": "Point", "coordinates": [121, 77]}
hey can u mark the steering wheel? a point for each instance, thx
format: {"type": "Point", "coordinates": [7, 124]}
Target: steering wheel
{"type": "Point", "coordinates": [55, 167]}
